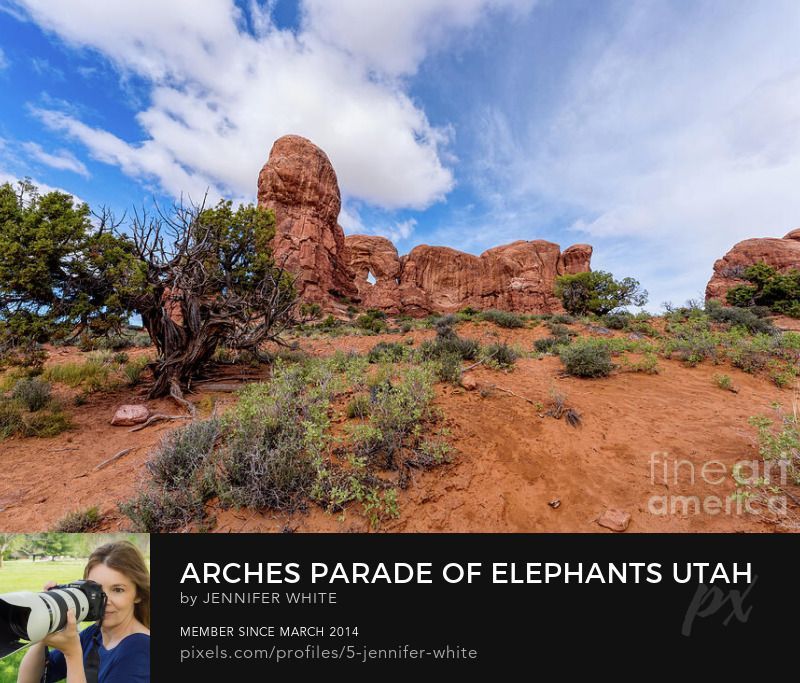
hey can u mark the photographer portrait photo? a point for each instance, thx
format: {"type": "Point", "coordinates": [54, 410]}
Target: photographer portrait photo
{"type": "Point", "coordinates": [74, 607]}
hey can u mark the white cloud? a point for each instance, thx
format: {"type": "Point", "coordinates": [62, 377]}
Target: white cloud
{"type": "Point", "coordinates": [394, 36]}
{"type": "Point", "coordinates": [3, 60]}
{"type": "Point", "coordinates": [220, 96]}
{"type": "Point", "coordinates": [63, 159]}
{"type": "Point", "coordinates": [676, 135]}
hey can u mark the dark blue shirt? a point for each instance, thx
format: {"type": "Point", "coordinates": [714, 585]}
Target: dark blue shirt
{"type": "Point", "coordinates": [128, 662]}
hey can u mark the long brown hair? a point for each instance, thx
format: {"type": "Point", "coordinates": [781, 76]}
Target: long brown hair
{"type": "Point", "coordinates": [125, 558]}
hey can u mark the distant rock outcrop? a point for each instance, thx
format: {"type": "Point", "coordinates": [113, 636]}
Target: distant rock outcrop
{"type": "Point", "coordinates": [517, 276]}
{"type": "Point", "coordinates": [782, 254]}
{"type": "Point", "coordinates": [299, 184]}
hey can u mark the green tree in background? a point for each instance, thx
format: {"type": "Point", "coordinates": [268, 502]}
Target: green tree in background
{"type": "Point", "coordinates": [60, 276]}
{"type": "Point", "coordinates": [598, 292]}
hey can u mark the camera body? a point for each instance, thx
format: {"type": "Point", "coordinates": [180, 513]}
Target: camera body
{"type": "Point", "coordinates": [34, 616]}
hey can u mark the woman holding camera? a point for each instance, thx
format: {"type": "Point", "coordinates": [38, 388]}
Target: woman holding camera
{"type": "Point", "coordinates": [117, 648]}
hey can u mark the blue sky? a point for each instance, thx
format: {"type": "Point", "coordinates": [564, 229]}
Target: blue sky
{"type": "Point", "coordinates": [659, 132]}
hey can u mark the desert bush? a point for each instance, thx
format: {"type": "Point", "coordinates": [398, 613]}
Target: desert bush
{"type": "Point", "coordinates": [388, 352]}
{"type": "Point", "coordinates": [647, 364]}
{"type": "Point", "coordinates": [372, 321]}
{"type": "Point", "coordinates": [692, 341]}
{"type": "Point", "coordinates": [448, 368]}
{"type": "Point", "coordinates": [79, 521]}
{"type": "Point", "coordinates": [751, 354]}
{"type": "Point", "coordinates": [617, 321]}
{"type": "Point", "coordinates": [562, 319]}
{"type": "Point", "coordinates": [500, 356]}
{"type": "Point", "coordinates": [396, 410]}
{"type": "Point", "coordinates": [551, 344]}
{"type": "Point", "coordinates": [779, 440]}
{"type": "Point", "coordinates": [276, 437]}
{"type": "Point", "coordinates": [447, 342]}
{"type": "Point", "coordinates": [587, 358]}
{"type": "Point", "coordinates": [183, 454]}
{"type": "Point", "coordinates": [115, 342]}
{"type": "Point", "coordinates": [504, 319]}
{"type": "Point", "coordinates": [723, 381]}
{"type": "Point", "coordinates": [359, 406]}
{"type": "Point", "coordinates": [157, 511]}
{"type": "Point", "coordinates": [738, 317]}
{"type": "Point", "coordinates": [32, 392]}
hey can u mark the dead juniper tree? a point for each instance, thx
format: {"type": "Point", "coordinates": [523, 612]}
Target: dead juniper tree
{"type": "Point", "coordinates": [207, 278]}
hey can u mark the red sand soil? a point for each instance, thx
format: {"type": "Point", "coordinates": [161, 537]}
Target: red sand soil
{"type": "Point", "coordinates": [641, 448]}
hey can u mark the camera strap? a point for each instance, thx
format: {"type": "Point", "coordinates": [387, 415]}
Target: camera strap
{"type": "Point", "coordinates": [91, 660]}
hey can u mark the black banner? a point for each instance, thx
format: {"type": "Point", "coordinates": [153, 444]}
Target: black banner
{"type": "Point", "coordinates": [237, 605]}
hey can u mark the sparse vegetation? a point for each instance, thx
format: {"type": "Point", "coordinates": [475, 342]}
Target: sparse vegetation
{"type": "Point", "coordinates": [500, 356]}
{"type": "Point", "coordinates": [587, 358]}
{"type": "Point", "coordinates": [79, 521]}
{"type": "Point", "coordinates": [504, 319]}
{"type": "Point", "coordinates": [724, 382]}
{"type": "Point", "coordinates": [32, 392]}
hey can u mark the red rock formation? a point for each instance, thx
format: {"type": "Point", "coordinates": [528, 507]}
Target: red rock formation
{"type": "Point", "coordinates": [299, 184]}
{"type": "Point", "coordinates": [375, 256]}
{"type": "Point", "coordinates": [782, 254]}
{"type": "Point", "coordinates": [517, 276]}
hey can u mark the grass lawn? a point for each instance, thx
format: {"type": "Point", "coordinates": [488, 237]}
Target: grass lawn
{"type": "Point", "coordinates": [24, 575]}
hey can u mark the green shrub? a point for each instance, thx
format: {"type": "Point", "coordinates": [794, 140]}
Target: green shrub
{"type": "Point", "coordinates": [562, 319]}
{"type": "Point", "coordinates": [79, 521]}
{"type": "Point", "coordinates": [182, 454]}
{"type": "Point", "coordinates": [358, 406]}
{"type": "Point", "coordinates": [723, 382]}
{"type": "Point", "coordinates": [120, 358]}
{"type": "Point", "coordinates": [374, 321]}
{"type": "Point", "coordinates": [500, 356]}
{"type": "Point", "coordinates": [448, 368]}
{"type": "Point", "coordinates": [550, 344]}
{"type": "Point", "coordinates": [276, 436]}
{"type": "Point", "coordinates": [587, 358]}
{"type": "Point", "coordinates": [32, 392]}
{"type": "Point", "coordinates": [446, 343]}
{"type": "Point", "coordinates": [617, 321]}
{"type": "Point", "coordinates": [154, 511]}
{"type": "Point", "coordinates": [738, 317]}
{"type": "Point", "coordinates": [387, 352]}
{"type": "Point", "coordinates": [504, 319]}
{"type": "Point", "coordinates": [648, 364]}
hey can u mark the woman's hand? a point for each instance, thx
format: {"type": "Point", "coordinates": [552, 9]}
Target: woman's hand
{"type": "Point", "coordinates": [67, 639]}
